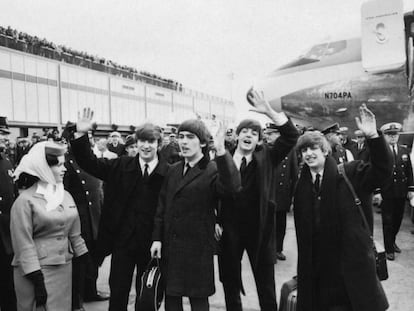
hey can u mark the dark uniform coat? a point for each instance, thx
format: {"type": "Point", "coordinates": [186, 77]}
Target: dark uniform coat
{"type": "Point", "coordinates": [87, 192]}
{"type": "Point", "coordinates": [346, 258]}
{"type": "Point", "coordinates": [7, 196]}
{"type": "Point", "coordinates": [286, 174]}
{"type": "Point", "coordinates": [402, 176]}
{"type": "Point", "coordinates": [121, 176]}
{"type": "Point", "coordinates": [185, 222]}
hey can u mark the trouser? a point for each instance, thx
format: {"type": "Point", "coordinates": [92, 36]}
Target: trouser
{"type": "Point", "coordinates": [280, 229]}
{"type": "Point", "coordinates": [123, 263]}
{"type": "Point", "coordinates": [233, 247]}
{"type": "Point", "coordinates": [392, 215]}
{"type": "Point", "coordinates": [173, 303]}
{"type": "Point", "coordinates": [7, 294]}
{"type": "Point", "coordinates": [85, 274]}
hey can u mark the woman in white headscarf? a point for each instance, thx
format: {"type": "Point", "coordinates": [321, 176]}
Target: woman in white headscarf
{"type": "Point", "coordinates": [45, 232]}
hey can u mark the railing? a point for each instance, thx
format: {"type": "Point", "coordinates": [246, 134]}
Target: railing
{"type": "Point", "coordinates": [45, 51]}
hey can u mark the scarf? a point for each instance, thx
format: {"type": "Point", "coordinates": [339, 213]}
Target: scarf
{"type": "Point", "coordinates": [34, 163]}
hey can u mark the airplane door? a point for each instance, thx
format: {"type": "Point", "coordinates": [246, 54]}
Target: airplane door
{"type": "Point", "coordinates": [383, 36]}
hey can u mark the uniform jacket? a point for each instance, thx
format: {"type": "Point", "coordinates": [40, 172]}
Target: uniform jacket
{"type": "Point", "coordinates": [345, 247]}
{"type": "Point", "coordinates": [286, 174]}
{"type": "Point", "coordinates": [7, 196]}
{"type": "Point", "coordinates": [185, 222]}
{"type": "Point", "coordinates": [41, 237]}
{"type": "Point", "coordinates": [267, 158]}
{"type": "Point", "coordinates": [121, 176]}
{"type": "Point", "coordinates": [402, 176]}
{"type": "Point", "coordinates": [87, 192]}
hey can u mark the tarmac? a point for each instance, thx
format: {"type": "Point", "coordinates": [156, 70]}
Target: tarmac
{"type": "Point", "coordinates": [399, 287]}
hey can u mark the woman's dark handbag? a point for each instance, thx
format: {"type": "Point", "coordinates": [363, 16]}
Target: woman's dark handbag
{"type": "Point", "coordinates": [380, 258]}
{"type": "Point", "coordinates": [152, 291]}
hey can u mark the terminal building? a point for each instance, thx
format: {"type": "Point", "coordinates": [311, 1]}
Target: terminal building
{"type": "Point", "coordinates": [42, 91]}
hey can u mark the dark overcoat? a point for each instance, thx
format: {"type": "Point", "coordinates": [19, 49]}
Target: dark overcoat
{"type": "Point", "coordinates": [267, 158]}
{"type": "Point", "coordinates": [121, 176]}
{"type": "Point", "coordinates": [185, 222]}
{"type": "Point", "coordinates": [345, 245]}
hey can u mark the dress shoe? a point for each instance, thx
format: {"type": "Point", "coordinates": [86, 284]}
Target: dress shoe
{"type": "Point", "coordinates": [280, 256]}
{"type": "Point", "coordinates": [390, 256]}
{"type": "Point", "coordinates": [97, 297]}
{"type": "Point", "coordinates": [397, 249]}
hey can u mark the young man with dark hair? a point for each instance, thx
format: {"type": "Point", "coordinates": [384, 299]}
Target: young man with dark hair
{"type": "Point", "coordinates": [248, 218]}
{"type": "Point", "coordinates": [131, 193]}
{"type": "Point", "coordinates": [184, 228]}
{"type": "Point", "coordinates": [336, 261]}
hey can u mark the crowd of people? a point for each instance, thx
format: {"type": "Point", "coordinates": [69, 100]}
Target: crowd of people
{"type": "Point", "coordinates": [194, 192]}
{"type": "Point", "coordinates": [22, 41]}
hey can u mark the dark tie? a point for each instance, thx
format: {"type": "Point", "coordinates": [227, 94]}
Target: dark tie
{"type": "Point", "coordinates": [317, 184]}
{"type": "Point", "coordinates": [187, 167]}
{"type": "Point", "coordinates": [394, 151]}
{"type": "Point", "coordinates": [243, 165]}
{"type": "Point", "coordinates": [145, 176]}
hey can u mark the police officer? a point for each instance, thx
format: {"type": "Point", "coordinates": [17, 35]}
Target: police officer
{"type": "Point", "coordinates": [7, 196]}
{"type": "Point", "coordinates": [396, 190]}
{"type": "Point", "coordinates": [333, 135]}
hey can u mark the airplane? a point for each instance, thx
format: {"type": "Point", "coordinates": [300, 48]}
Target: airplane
{"type": "Point", "coordinates": [329, 82]}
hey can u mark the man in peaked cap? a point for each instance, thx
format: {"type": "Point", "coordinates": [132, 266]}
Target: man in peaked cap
{"type": "Point", "coordinates": [7, 196]}
{"type": "Point", "coordinates": [396, 190]}
{"type": "Point", "coordinates": [271, 133]}
{"type": "Point", "coordinates": [340, 154]}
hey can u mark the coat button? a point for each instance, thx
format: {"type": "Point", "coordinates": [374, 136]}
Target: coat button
{"type": "Point", "coordinates": [1, 212]}
{"type": "Point", "coordinates": [83, 182]}
{"type": "Point", "coordinates": [90, 203]}
{"type": "Point", "coordinates": [1, 198]}
{"type": "Point", "coordinates": [78, 171]}
{"type": "Point", "coordinates": [87, 192]}
{"type": "Point", "coordinates": [71, 161]}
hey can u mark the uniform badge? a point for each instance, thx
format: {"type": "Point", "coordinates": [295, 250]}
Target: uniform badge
{"type": "Point", "coordinates": [404, 157]}
{"type": "Point", "coordinates": [10, 172]}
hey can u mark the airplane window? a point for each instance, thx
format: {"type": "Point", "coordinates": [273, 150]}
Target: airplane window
{"type": "Point", "coordinates": [316, 53]}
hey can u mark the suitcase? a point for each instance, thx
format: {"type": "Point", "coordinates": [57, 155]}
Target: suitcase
{"type": "Point", "coordinates": [288, 295]}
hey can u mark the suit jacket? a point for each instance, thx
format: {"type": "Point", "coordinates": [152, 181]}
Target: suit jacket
{"type": "Point", "coordinates": [343, 248]}
{"type": "Point", "coordinates": [402, 175]}
{"type": "Point", "coordinates": [41, 237]}
{"type": "Point", "coordinates": [363, 154]}
{"type": "Point", "coordinates": [122, 177]}
{"type": "Point", "coordinates": [185, 222]}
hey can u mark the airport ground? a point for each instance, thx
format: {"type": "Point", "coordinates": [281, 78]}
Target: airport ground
{"type": "Point", "coordinates": [399, 287]}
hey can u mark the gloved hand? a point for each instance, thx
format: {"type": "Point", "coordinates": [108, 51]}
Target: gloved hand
{"type": "Point", "coordinates": [40, 292]}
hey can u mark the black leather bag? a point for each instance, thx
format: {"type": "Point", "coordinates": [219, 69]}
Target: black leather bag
{"type": "Point", "coordinates": [380, 258]}
{"type": "Point", "coordinates": [152, 290]}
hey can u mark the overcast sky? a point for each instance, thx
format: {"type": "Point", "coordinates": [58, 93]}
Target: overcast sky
{"type": "Point", "coordinates": [219, 47]}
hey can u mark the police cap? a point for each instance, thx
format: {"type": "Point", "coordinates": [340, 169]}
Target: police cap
{"type": "Point", "coordinates": [391, 128]}
{"type": "Point", "coordinates": [334, 128]}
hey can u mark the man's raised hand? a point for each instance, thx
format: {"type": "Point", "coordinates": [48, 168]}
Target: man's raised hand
{"type": "Point", "coordinates": [84, 123]}
{"type": "Point", "coordinates": [366, 122]}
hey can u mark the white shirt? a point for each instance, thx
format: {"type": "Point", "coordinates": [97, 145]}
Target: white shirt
{"type": "Point", "coordinates": [237, 158]}
{"type": "Point", "coordinates": [151, 165]}
{"type": "Point", "coordinates": [314, 176]}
